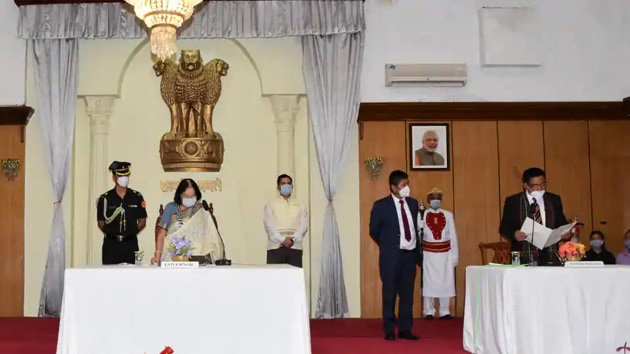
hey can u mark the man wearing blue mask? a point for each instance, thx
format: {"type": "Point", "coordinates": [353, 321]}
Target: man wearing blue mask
{"type": "Point", "coordinates": [440, 256]}
{"type": "Point", "coordinates": [286, 224]}
{"type": "Point", "coordinates": [541, 206]}
{"type": "Point", "coordinates": [121, 215]}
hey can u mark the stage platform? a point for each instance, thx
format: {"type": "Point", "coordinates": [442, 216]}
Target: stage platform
{"type": "Point", "coordinates": [349, 336]}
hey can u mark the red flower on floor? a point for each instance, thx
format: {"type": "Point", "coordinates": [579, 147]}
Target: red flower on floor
{"type": "Point", "coordinates": [436, 222]}
{"type": "Point", "coordinates": [167, 350]}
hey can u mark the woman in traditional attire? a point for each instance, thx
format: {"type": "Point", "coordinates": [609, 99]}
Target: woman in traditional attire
{"type": "Point", "coordinates": [186, 217]}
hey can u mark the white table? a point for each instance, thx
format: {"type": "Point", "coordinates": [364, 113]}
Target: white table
{"type": "Point", "coordinates": [141, 309]}
{"type": "Point", "coordinates": [539, 310]}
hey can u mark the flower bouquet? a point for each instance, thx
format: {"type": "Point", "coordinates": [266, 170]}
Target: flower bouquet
{"type": "Point", "coordinates": [571, 251]}
{"type": "Point", "coordinates": [180, 249]}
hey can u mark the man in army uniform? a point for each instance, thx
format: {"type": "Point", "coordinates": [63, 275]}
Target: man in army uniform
{"type": "Point", "coordinates": [121, 215]}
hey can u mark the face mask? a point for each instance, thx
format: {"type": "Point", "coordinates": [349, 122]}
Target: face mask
{"type": "Point", "coordinates": [627, 243]}
{"type": "Point", "coordinates": [435, 204]}
{"type": "Point", "coordinates": [537, 194]}
{"type": "Point", "coordinates": [597, 243]}
{"type": "Point", "coordinates": [286, 189]}
{"type": "Point", "coordinates": [188, 202]}
{"type": "Point", "coordinates": [123, 181]}
{"type": "Point", "coordinates": [405, 191]}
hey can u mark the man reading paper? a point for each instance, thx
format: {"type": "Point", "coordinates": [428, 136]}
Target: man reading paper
{"type": "Point", "coordinates": [536, 203]}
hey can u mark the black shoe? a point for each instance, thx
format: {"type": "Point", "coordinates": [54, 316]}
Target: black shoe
{"type": "Point", "coordinates": [407, 335]}
{"type": "Point", "coordinates": [447, 317]}
{"type": "Point", "coordinates": [429, 317]}
{"type": "Point", "coordinates": [390, 336]}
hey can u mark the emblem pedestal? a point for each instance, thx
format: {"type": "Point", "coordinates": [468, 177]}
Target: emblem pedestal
{"type": "Point", "coordinates": [192, 154]}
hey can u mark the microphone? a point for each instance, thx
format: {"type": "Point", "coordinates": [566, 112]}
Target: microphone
{"type": "Point", "coordinates": [533, 216]}
{"type": "Point", "coordinates": [209, 209]}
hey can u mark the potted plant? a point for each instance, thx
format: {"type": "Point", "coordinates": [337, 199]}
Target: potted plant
{"type": "Point", "coordinates": [571, 251]}
{"type": "Point", "coordinates": [180, 249]}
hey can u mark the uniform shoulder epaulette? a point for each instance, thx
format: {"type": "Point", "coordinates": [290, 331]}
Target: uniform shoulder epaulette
{"type": "Point", "coordinates": [138, 193]}
{"type": "Point", "coordinates": [104, 195]}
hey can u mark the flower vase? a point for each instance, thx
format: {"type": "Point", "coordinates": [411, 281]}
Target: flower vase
{"type": "Point", "coordinates": [180, 259]}
{"type": "Point", "coordinates": [574, 258]}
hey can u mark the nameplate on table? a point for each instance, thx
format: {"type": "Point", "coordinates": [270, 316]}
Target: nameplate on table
{"type": "Point", "coordinates": [583, 264]}
{"type": "Point", "coordinates": [179, 265]}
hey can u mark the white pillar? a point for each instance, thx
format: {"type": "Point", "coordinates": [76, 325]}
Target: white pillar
{"type": "Point", "coordinates": [285, 108]}
{"type": "Point", "coordinates": [99, 110]}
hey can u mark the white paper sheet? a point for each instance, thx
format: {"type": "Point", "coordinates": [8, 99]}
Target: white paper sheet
{"type": "Point", "coordinates": [543, 236]}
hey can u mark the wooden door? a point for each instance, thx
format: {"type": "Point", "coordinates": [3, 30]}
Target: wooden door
{"type": "Point", "coordinates": [609, 148]}
{"type": "Point", "coordinates": [385, 140]}
{"type": "Point", "coordinates": [12, 225]}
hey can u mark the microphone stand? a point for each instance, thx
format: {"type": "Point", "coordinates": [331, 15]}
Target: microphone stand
{"type": "Point", "coordinates": [533, 216]}
{"type": "Point", "coordinates": [224, 261]}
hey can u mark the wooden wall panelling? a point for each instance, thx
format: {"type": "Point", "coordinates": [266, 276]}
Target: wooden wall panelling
{"type": "Point", "coordinates": [493, 111]}
{"type": "Point", "coordinates": [386, 140]}
{"type": "Point", "coordinates": [548, 135]}
{"type": "Point", "coordinates": [421, 182]}
{"type": "Point", "coordinates": [610, 167]}
{"type": "Point", "coordinates": [568, 169]}
{"type": "Point", "coordinates": [476, 194]}
{"type": "Point", "coordinates": [13, 119]}
{"type": "Point", "coordinates": [520, 147]}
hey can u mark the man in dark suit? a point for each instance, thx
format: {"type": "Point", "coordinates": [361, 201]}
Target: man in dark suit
{"type": "Point", "coordinates": [393, 225]}
{"type": "Point", "coordinates": [541, 206]}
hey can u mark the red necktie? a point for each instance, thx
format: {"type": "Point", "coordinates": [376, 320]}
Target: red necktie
{"type": "Point", "coordinates": [405, 221]}
{"type": "Point", "coordinates": [537, 213]}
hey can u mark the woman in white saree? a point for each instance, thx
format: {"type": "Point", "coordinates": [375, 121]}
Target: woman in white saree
{"type": "Point", "coordinates": [185, 217]}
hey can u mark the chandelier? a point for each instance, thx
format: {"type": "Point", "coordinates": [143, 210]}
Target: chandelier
{"type": "Point", "coordinates": [163, 18]}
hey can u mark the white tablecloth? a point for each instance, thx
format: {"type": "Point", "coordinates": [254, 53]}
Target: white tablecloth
{"type": "Point", "coordinates": [554, 310]}
{"type": "Point", "coordinates": [142, 309]}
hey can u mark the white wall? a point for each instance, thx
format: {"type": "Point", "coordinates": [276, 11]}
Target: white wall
{"type": "Point", "coordinates": [585, 50]}
{"type": "Point", "coordinates": [12, 57]}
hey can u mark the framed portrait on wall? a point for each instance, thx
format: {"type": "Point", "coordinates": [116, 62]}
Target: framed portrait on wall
{"type": "Point", "coordinates": [429, 146]}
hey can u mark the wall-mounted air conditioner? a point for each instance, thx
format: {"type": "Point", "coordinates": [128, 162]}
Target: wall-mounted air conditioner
{"type": "Point", "coordinates": [426, 74]}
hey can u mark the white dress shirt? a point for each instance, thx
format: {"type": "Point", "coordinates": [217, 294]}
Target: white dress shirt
{"type": "Point", "coordinates": [541, 204]}
{"type": "Point", "coordinates": [404, 244]}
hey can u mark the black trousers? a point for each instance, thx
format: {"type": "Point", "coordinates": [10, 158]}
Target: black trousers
{"type": "Point", "coordinates": [398, 277]}
{"type": "Point", "coordinates": [116, 252]}
{"type": "Point", "coordinates": [285, 255]}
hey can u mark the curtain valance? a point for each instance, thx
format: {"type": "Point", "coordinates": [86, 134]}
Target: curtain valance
{"type": "Point", "coordinates": [214, 19]}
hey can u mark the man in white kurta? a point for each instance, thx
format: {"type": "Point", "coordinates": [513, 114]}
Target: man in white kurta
{"type": "Point", "coordinates": [441, 256]}
{"type": "Point", "coordinates": [286, 224]}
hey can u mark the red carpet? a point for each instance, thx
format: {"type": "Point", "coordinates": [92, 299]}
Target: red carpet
{"type": "Point", "coordinates": [39, 336]}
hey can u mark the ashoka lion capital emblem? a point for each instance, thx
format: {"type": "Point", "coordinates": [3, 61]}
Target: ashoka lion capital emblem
{"type": "Point", "coordinates": [191, 91]}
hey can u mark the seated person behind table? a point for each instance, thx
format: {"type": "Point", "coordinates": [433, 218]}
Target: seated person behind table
{"type": "Point", "coordinates": [598, 251]}
{"type": "Point", "coordinates": [186, 217]}
{"type": "Point", "coordinates": [624, 257]}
